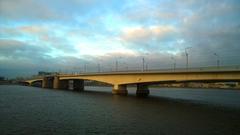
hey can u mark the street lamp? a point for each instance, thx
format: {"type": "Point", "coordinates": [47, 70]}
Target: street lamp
{"type": "Point", "coordinates": [143, 63]}
{"type": "Point", "coordinates": [85, 67]}
{"type": "Point", "coordinates": [117, 63]}
{"type": "Point", "coordinates": [218, 61]}
{"type": "Point", "coordinates": [99, 68]}
{"type": "Point", "coordinates": [174, 63]}
{"type": "Point", "coordinates": [186, 53]}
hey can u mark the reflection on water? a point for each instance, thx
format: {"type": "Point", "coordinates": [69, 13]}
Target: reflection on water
{"type": "Point", "coordinates": [218, 97]}
{"type": "Point", "coordinates": [29, 110]}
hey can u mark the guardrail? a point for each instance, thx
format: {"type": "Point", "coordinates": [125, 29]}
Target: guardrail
{"type": "Point", "coordinates": [212, 68]}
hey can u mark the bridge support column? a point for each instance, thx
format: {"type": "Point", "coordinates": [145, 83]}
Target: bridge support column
{"type": "Point", "coordinates": [29, 84]}
{"type": "Point", "coordinates": [120, 90]}
{"type": "Point", "coordinates": [47, 82]}
{"type": "Point", "coordinates": [64, 84]}
{"type": "Point", "coordinates": [78, 85]}
{"type": "Point", "coordinates": [44, 82]}
{"type": "Point", "coordinates": [142, 90]}
{"type": "Point", "coordinates": [56, 82]}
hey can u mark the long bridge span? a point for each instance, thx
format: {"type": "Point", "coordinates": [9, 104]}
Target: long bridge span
{"type": "Point", "coordinates": [120, 80]}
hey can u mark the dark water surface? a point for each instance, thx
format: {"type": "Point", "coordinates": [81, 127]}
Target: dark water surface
{"type": "Point", "coordinates": [36, 111]}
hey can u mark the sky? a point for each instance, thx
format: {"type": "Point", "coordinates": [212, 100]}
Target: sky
{"type": "Point", "coordinates": [66, 35]}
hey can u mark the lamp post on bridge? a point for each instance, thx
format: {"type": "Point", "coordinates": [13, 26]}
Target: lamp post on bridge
{"type": "Point", "coordinates": [117, 63]}
{"type": "Point", "coordinates": [143, 64]}
{"type": "Point", "coordinates": [174, 63]}
{"type": "Point", "coordinates": [99, 68]}
{"type": "Point", "coordinates": [186, 53]}
{"type": "Point", "coordinates": [85, 67]}
{"type": "Point", "coordinates": [218, 61]}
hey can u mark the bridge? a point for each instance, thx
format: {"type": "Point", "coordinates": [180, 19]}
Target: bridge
{"type": "Point", "coordinates": [120, 80]}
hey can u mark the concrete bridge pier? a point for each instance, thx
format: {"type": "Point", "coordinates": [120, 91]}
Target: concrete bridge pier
{"type": "Point", "coordinates": [64, 84]}
{"type": "Point", "coordinates": [78, 85]}
{"type": "Point", "coordinates": [142, 90]}
{"type": "Point", "coordinates": [47, 82]}
{"type": "Point", "coordinates": [27, 84]}
{"type": "Point", "coordinates": [56, 82]}
{"type": "Point", "coordinates": [119, 90]}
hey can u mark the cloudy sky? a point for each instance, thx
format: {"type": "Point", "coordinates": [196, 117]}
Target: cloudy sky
{"type": "Point", "coordinates": [65, 35]}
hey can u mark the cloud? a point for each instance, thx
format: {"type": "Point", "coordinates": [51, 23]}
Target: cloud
{"type": "Point", "coordinates": [40, 35]}
{"type": "Point", "coordinates": [47, 11]}
{"type": "Point", "coordinates": [29, 59]}
{"type": "Point", "coordinates": [148, 38]}
{"type": "Point", "coordinates": [146, 33]}
{"type": "Point", "coordinates": [8, 45]}
{"type": "Point", "coordinates": [33, 29]}
{"type": "Point", "coordinates": [21, 57]}
{"type": "Point", "coordinates": [52, 37]}
{"type": "Point", "coordinates": [213, 30]}
{"type": "Point", "coordinates": [26, 10]}
{"type": "Point", "coordinates": [18, 49]}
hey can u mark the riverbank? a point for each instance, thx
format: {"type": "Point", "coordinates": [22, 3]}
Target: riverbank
{"type": "Point", "coordinates": [6, 82]}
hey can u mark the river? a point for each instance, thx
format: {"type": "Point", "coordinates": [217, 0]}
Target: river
{"type": "Point", "coordinates": [167, 111]}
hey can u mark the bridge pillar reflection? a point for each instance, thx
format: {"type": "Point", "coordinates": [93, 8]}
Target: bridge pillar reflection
{"type": "Point", "coordinates": [238, 85]}
{"type": "Point", "coordinates": [142, 90]}
{"type": "Point", "coordinates": [78, 85]}
{"type": "Point", "coordinates": [119, 90]}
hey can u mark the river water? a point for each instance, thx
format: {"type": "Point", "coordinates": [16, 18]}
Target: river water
{"type": "Point", "coordinates": [167, 111]}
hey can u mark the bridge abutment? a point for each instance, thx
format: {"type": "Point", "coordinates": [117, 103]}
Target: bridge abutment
{"type": "Point", "coordinates": [142, 90]}
{"type": "Point", "coordinates": [78, 85]}
{"type": "Point", "coordinates": [119, 90]}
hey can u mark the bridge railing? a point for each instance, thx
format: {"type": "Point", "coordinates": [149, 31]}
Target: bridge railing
{"type": "Point", "coordinates": [210, 68]}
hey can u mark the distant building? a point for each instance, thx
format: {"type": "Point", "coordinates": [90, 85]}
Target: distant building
{"type": "Point", "coordinates": [40, 73]}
